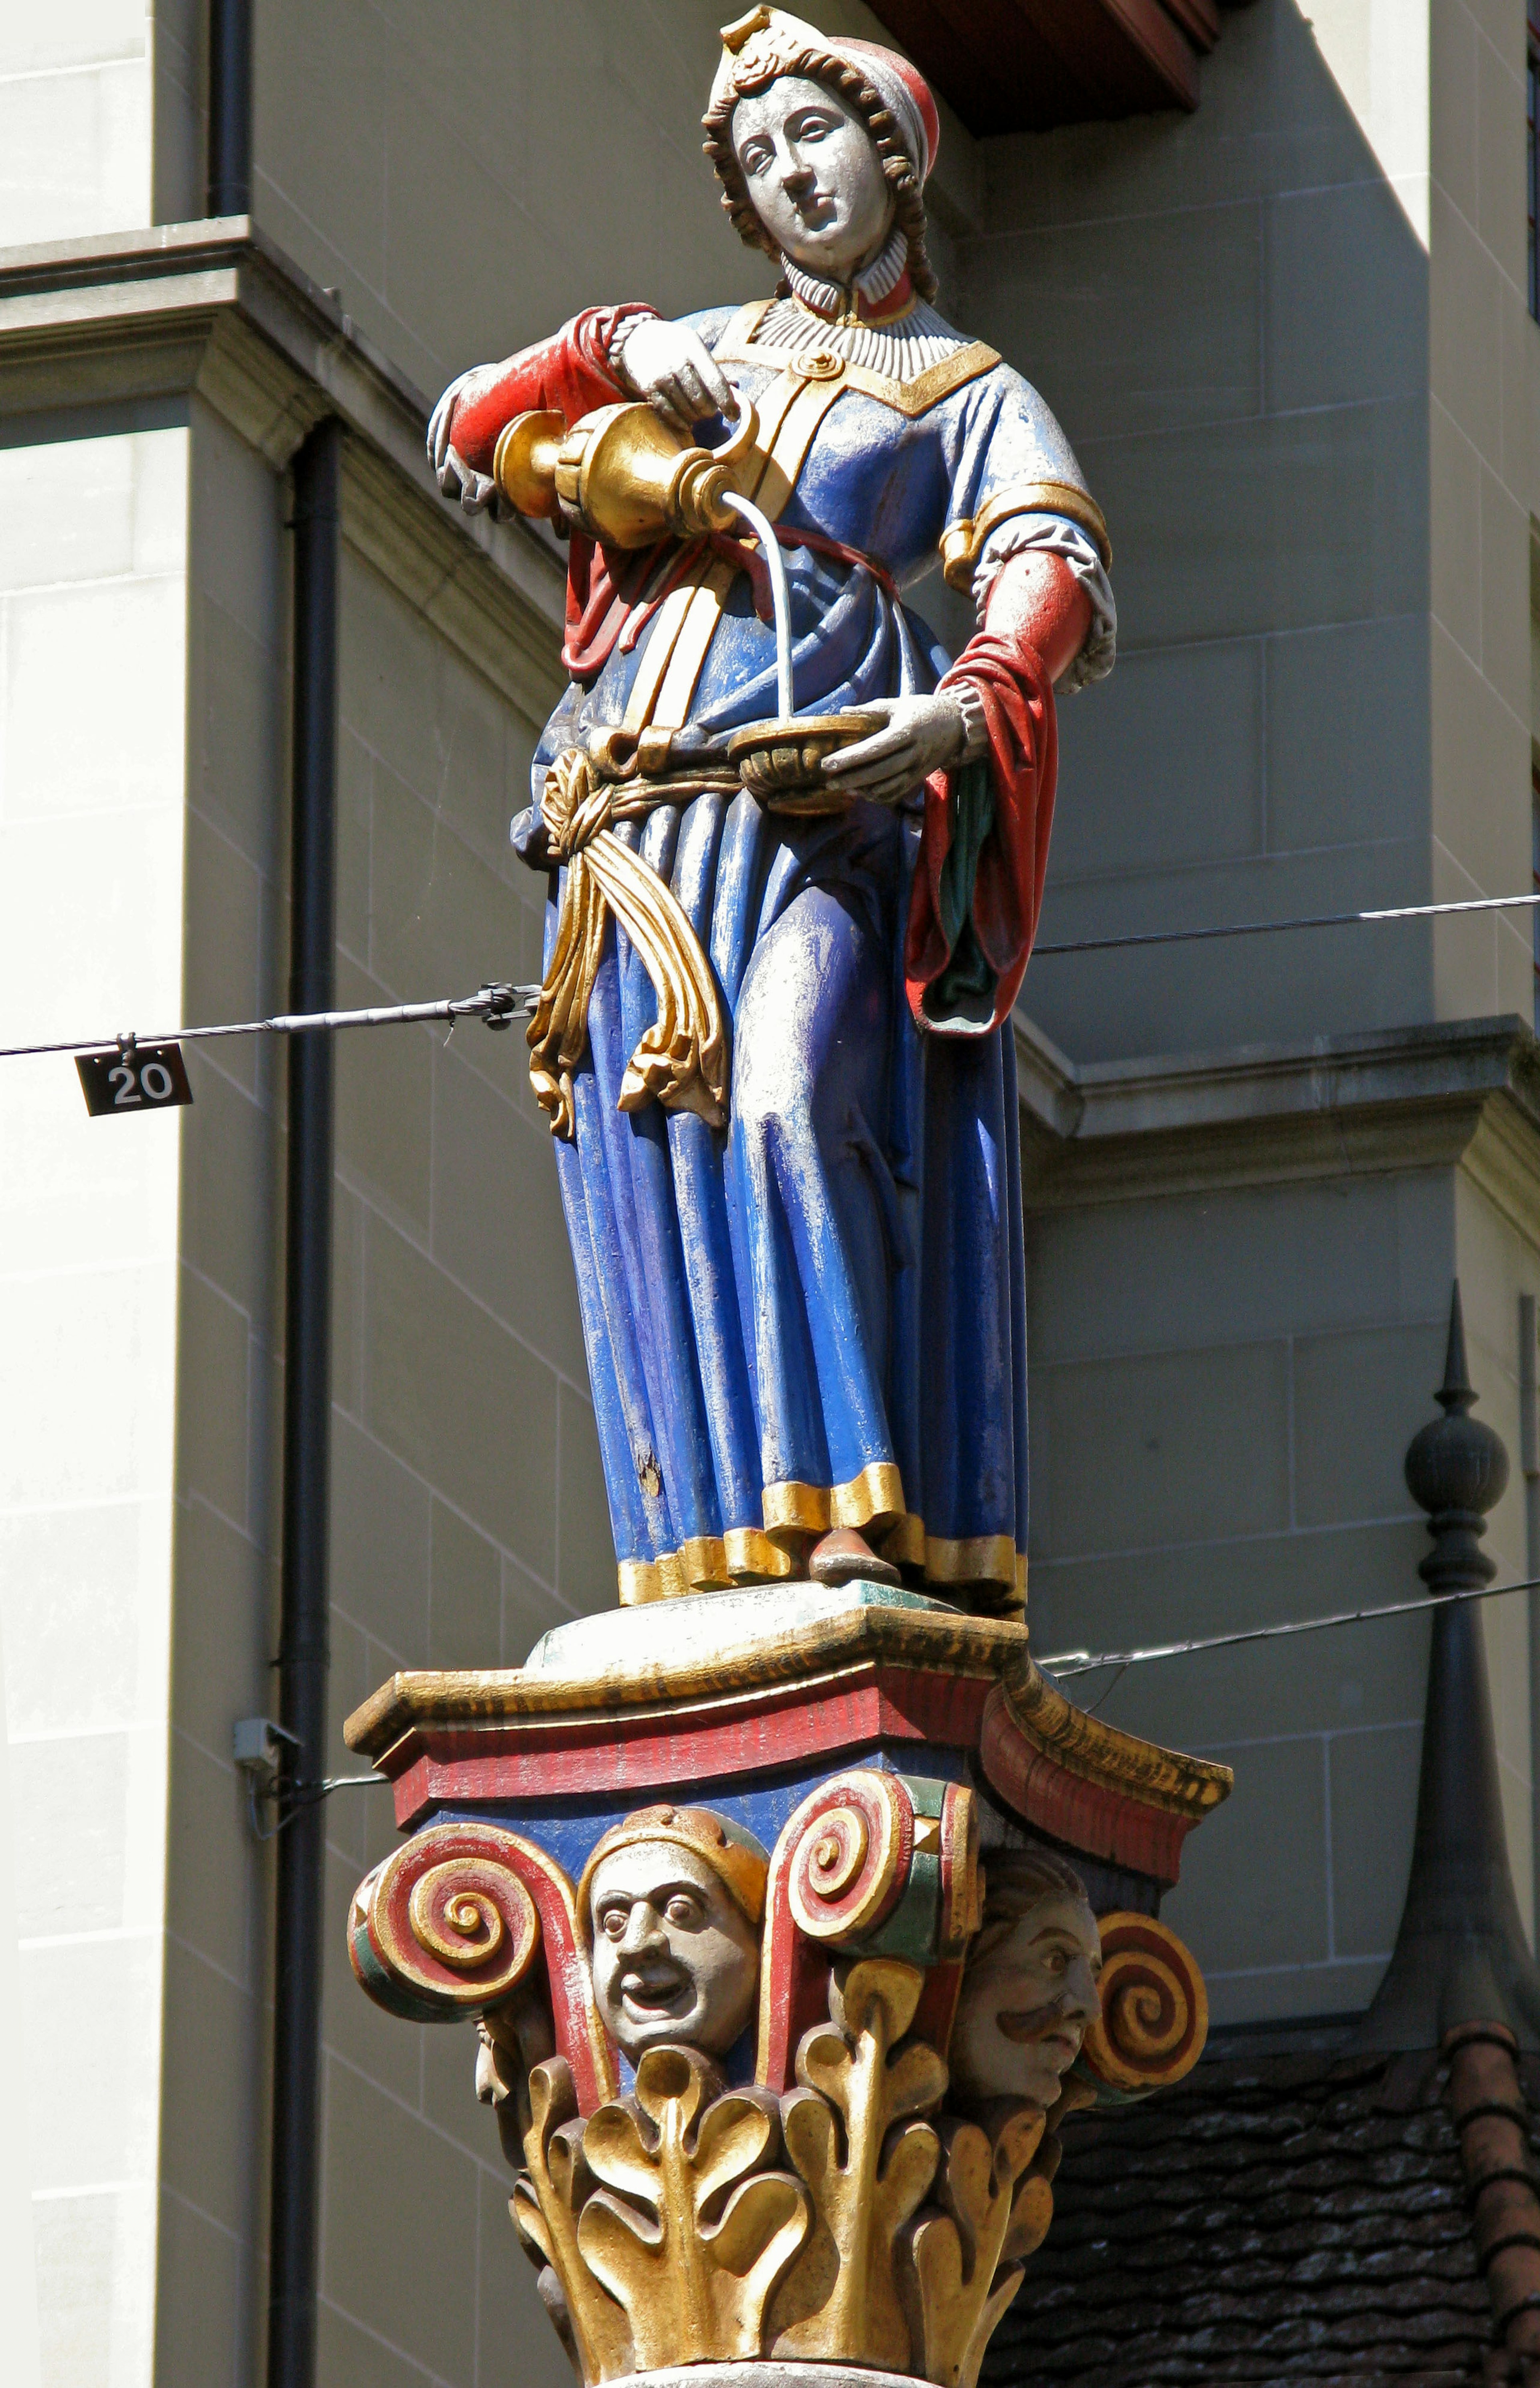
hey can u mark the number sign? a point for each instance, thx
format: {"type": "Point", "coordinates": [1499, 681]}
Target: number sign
{"type": "Point", "coordinates": [135, 1078]}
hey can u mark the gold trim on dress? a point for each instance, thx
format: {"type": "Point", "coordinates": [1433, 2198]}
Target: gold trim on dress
{"type": "Point", "coordinates": [666, 626]}
{"type": "Point", "coordinates": [704, 1564]}
{"type": "Point", "coordinates": [638, 1582]}
{"type": "Point", "coordinates": [979, 1558]}
{"type": "Point", "coordinates": [710, 1563]}
{"type": "Point", "coordinates": [904, 1542]}
{"type": "Point", "coordinates": [876, 1495]}
{"type": "Point", "coordinates": [748, 1554]}
{"type": "Point", "coordinates": [752, 1555]}
{"type": "Point", "coordinates": [962, 543]}
{"type": "Point", "coordinates": [811, 403]}
{"type": "Point", "coordinates": [686, 655]}
{"type": "Point", "coordinates": [737, 347]}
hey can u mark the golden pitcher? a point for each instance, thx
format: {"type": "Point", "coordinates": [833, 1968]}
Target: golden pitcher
{"type": "Point", "coordinates": [621, 475]}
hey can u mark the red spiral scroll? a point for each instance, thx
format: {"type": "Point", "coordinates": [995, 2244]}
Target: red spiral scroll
{"type": "Point", "coordinates": [837, 1870]}
{"type": "Point", "coordinates": [851, 1860]}
{"type": "Point", "coordinates": [451, 1925]}
{"type": "Point", "coordinates": [1155, 2007]}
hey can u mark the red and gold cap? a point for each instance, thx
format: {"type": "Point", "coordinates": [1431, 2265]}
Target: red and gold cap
{"type": "Point", "coordinates": [770, 42]}
{"type": "Point", "coordinates": [739, 1861]}
{"type": "Point", "coordinates": [890, 96]}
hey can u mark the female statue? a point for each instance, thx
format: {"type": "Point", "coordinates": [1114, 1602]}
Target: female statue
{"type": "Point", "coordinates": [799, 1246]}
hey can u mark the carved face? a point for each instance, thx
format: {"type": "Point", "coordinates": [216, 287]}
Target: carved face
{"type": "Point", "coordinates": [813, 174]}
{"type": "Point", "coordinates": [1028, 1999]}
{"type": "Point", "coordinates": [674, 1956]}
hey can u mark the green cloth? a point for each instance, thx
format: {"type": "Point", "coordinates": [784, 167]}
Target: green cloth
{"type": "Point", "coordinates": [965, 989]}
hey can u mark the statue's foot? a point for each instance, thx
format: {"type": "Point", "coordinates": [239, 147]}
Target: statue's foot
{"type": "Point", "coordinates": [846, 1556]}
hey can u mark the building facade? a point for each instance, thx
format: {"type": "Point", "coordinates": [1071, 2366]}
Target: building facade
{"type": "Point", "coordinates": [1288, 331]}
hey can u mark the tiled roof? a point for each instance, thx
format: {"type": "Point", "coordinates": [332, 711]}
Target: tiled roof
{"type": "Point", "coordinates": [1279, 2217]}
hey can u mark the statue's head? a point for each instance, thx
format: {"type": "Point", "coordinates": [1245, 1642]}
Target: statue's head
{"type": "Point", "coordinates": [822, 146]}
{"type": "Point", "coordinates": [1030, 1988]}
{"type": "Point", "coordinates": [671, 1903]}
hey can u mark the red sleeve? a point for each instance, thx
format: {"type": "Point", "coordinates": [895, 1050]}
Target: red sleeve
{"type": "Point", "coordinates": [1036, 623]}
{"type": "Point", "coordinates": [568, 373]}
{"type": "Point", "coordinates": [1012, 686]}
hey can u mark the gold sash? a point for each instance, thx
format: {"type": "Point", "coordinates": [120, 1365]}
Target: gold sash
{"type": "Point", "coordinates": [682, 1060]}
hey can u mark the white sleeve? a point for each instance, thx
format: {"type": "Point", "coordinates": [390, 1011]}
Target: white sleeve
{"type": "Point", "coordinates": [1059, 536]}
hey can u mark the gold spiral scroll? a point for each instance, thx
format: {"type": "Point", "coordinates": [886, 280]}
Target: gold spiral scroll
{"type": "Point", "coordinates": [451, 1921]}
{"type": "Point", "coordinates": [851, 1859]}
{"type": "Point", "coordinates": [1155, 2007]}
{"type": "Point", "coordinates": [454, 1919]}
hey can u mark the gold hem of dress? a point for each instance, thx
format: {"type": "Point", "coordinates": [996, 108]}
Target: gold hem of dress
{"type": "Point", "coordinates": [872, 1501]}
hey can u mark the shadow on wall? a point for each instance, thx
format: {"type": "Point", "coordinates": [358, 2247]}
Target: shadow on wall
{"type": "Point", "coordinates": [1229, 314]}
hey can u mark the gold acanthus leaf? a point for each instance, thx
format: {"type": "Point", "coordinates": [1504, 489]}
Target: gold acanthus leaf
{"type": "Point", "coordinates": [510, 2040]}
{"type": "Point", "coordinates": [691, 2230]}
{"type": "Point", "coordinates": [956, 2284]}
{"type": "Point", "coordinates": [547, 2202]}
{"type": "Point", "coordinates": [841, 2300]}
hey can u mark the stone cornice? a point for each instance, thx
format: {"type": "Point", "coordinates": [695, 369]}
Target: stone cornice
{"type": "Point", "coordinates": [214, 308]}
{"type": "Point", "coordinates": [1463, 1093]}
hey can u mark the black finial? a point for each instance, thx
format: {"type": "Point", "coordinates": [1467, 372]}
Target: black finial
{"type": "Point", "coordinates": [1455, 1393]}
{"type": "Point", "coordinates": [1460, 1955]}
{"type": "Point", "coordinates": [1456, 1470]}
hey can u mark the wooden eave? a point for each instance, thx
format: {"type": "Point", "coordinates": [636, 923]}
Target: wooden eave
{"type": "Point", "coordinates": [1022, 66]}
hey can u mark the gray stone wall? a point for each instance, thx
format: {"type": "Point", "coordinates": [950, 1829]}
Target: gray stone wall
{"type": "Point", "coordinates": [496, 174]}
{"type": "Point", "coordinates": [1289, 338]}
{"type": "Point", "coordinates": [468, 1505]}
{"type": "Point", "coordinates": [1229, 312]}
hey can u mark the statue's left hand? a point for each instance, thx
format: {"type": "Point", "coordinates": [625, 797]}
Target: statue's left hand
{"type": "Point", "coordinates": [455, 477]}
{"type": "Point", "coordinates": [923, 734]}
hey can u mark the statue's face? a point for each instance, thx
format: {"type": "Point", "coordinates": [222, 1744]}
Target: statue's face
{"type": "Point", "coordinates": [813, 175]}
{"type": "Point", "coordinates": [1027, 2004]}
{"type": "Point", "coordinates": [674, 1956]}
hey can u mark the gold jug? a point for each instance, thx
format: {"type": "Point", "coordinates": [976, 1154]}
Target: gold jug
{"type": "Point", "coordinates": [621, 475]}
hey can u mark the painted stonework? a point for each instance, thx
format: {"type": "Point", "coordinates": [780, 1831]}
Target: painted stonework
{"type": "Point", "coordinates": [782, 953]}
{"type": "Point", "coordinates": [795, 1907]}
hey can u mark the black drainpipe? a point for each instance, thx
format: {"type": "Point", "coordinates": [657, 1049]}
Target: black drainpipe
{"type": "Point", "coordinates": [303, 1651]}
{"type": "Point", "coordinates": [229, 108]}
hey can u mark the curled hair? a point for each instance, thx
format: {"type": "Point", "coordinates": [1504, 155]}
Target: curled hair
{"type": "Point", "coordinates": [848, 84]}
{"type": "Point", "coordinates": [1014, 1881]}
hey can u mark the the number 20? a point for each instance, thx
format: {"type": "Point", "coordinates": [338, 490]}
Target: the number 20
{"type": "Point", "coordinates": [152, 1079]}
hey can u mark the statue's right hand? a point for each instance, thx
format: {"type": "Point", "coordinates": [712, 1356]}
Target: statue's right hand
{"type": "Point", "coordinates": [454, 476]}
{"type": "Point", "coordinates": [672, 367]}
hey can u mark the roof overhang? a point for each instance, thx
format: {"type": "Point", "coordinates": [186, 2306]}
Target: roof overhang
{"type": "Point", "coordinates": [1021, 66]}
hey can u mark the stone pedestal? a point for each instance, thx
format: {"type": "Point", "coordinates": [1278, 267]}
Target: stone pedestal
{"type": "Point", "coordinates": [786, 1802]}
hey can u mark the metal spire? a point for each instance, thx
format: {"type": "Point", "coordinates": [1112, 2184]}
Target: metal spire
{"type": "Point", "coordinates": [1460, 1956]}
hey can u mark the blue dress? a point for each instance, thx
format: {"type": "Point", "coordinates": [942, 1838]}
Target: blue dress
{"type": "Point", "coordinates": [815, 1317]}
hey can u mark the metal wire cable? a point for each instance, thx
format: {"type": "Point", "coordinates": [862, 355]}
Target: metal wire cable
{"type": "Point", "coordinates": [1272, 928]}
{"type": "Point", "coordinates": [497, 1004]}
{"type": "Point", "coordinates": [1067, 1664]}
{"type": "Point", "coordinates": [290, 1798]}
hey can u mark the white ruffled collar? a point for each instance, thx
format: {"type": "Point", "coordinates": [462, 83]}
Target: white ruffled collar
{"type": "Point", "coordinates": [871, 287]}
